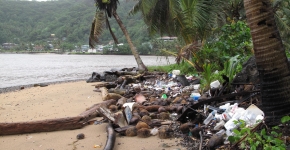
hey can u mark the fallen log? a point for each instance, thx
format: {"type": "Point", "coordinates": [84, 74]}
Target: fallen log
{"type": "Point", "coordinates": [48, 125]}
{"type": "Point", "coordinates": [111, 137]}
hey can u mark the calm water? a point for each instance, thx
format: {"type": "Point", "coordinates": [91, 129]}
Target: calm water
{"type": "Point", "coordinates": [24, 69]}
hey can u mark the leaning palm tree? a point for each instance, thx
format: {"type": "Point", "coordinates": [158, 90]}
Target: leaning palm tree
{"type": "Point", "coordinates": [105, 9]}
{"type": "Point", "coordinates": [271, 59]}
{"type": "Point", "coordinates": [190, 20]}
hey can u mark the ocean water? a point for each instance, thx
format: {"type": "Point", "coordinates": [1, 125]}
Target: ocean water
{"type": "Point", "coordinates": [26, 69]}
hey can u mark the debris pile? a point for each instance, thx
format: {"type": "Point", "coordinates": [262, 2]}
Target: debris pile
{"type": "Point", "coordinates": [171, 105]}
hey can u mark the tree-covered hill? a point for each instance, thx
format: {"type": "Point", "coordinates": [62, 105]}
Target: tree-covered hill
{"type": "Point", "coordinates": [68, 20]}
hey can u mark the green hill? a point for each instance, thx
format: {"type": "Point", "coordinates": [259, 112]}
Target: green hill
{"type": "Point", "coordinates": [69, 20]}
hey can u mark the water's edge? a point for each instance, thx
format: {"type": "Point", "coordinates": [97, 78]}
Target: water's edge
{"type": "Point", "coordinates": [18, 87]}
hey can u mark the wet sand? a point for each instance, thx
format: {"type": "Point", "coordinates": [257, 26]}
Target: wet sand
{"type": "Point", "coordinates": [64, 100]}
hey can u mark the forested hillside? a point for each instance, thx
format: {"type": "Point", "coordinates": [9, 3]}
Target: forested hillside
{"type": "Point", "coordinates": [69, 20]}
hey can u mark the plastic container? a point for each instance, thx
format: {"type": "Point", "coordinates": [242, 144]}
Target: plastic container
{"type": "Point", "coordinates": [195, 96]}
{"type": "Point", "coordinates": [196, 86]}
{"type": "Point", "coordinates": [230, 125]}
{"type": "Point", "coordinates": [208, 119]}
{"type": "Point", "coordinates": [219, 125]}
{"type": "Point", "coordinates": [221, 132]}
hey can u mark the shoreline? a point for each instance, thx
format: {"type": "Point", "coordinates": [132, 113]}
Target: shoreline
{"type": "Point", "coordinates": [18, 87]}
{"type": "Point", "coordinates": [65, 100]}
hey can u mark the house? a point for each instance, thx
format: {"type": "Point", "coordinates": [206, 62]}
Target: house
{"type": "Point", "coordinates": [85, 48]}
{"type": "Point", "coordinates": [100, 48]}
{"type": "Point", "coordinates": [92, 50]}
{"type": "Point", "coordinates": [8, 46]}
{"type": "Point", "coordinates": [167, 38]}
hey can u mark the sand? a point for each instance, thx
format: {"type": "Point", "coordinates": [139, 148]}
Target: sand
{"type": "Point", "coordinates": [64, 100]}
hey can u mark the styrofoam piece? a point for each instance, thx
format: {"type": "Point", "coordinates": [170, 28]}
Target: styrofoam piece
{"type": "Point", "coordinates": [215, 84]}
{"type": "Point", "coordinates": [175, 72]}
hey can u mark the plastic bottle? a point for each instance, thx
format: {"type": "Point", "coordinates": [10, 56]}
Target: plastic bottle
{"type": "Point", "coordinates": [221, 132]}
{"type": "Point", "coordinates": [208, 119]}
{"type": "Point", "coordinates": [219, 125]}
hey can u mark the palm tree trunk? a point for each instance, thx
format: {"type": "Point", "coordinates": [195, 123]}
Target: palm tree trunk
{"type": "Point", "coordinates": [271, 60]}
{"type": "Point", "coordinates": [139, 61]}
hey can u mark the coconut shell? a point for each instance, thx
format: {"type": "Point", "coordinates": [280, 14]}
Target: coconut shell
{"type": "Point", "coordinates": [143, 112]}
{"type": "Point", "coordinates": [165, 132]}
{"type": "Point", "coordinates": [132, 131]}
{"type": "Point", "coordinates": [152, 99]}
{"type": "Point", "coordinates": [134, 119]}
{"type": "Point", "coordinates": [164, 116]}
{"type": "Point", "coordinates": [184, 128]}
{"type": "Point", "coordinates": [113, 108]}
{"type": "Point", "coordinates": [143, 133]}
{"type": "Point", "coordinates": [146, 119]}
{"type": "Point", "coordinates": [177, 100]}
{"type": "Point", "coordinates": [141, 124]}
{"type": "Point", "coordinates": [153, 116]}
{"type": "Point", "coordinates": [161, 109]}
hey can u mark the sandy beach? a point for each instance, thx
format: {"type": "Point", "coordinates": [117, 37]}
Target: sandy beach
{"type": "Point", "coordinates": [64, 100]}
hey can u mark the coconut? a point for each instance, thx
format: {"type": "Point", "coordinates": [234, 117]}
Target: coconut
{"type": "Point", "coordinates": [165, 132]}
{"type": "Point", "coordinates": [146, 119]}
{"type": "Point", "coordinates": [143, 133]}
{"type": "Point", "coordinates": [132, 131]}
{"type": "Point", "coordinates": [113, 108]}
{"type": "Point", "coordinates": [141, 124]}
{"type": "Point", "coordinates": [164, 116]}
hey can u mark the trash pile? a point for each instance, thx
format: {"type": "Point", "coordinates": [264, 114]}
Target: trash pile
{"type": "Point", "coordinates": [171, 105]}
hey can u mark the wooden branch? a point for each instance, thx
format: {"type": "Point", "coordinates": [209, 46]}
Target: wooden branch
{"type": "Point", "coordinates": [108, 96]}
{"type": "Point", "coordinates": [105, 84]}
{"type": "Point", "coordinates": [234, 146]}
{"type": "Point", "coordinates": [91, 111]}
{"type": "Point", "coordinates": [111, 138]}
{"type": "Point", "coordinates": [48, 125]}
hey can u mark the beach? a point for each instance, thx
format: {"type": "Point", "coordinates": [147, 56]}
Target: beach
{"type": "Point", "coordinates": [65, 100]}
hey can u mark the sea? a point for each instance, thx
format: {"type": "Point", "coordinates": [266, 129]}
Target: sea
{"type": "Point", "coordinates": [28, 69]}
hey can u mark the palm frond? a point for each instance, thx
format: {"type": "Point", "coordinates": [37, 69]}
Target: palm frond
{"type": "Point", "coordinates": [110, 6]}
{"type": "Point", "coordinates": [136, 8]}
{"type": "Point", "coordinates": [97, 27]}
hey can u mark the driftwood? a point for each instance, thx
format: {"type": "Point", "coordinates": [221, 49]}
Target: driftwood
{"type": "Point", "coordinates": [108, 85]}
{"type": "Point", "coordinates": [154, 108]}
{"type": "Point", "coordinates": [107, 96]}
{"type": "Point", "coordinates": [111, 138]}
{"type": "Point", "coordinates": [121, 73]}
{"type": "Point", "coordinates": [117, 91]}
{"type": "Point", "coordinates": [48, 125]}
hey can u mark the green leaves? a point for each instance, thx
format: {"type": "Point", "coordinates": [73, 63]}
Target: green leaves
{"type": "Point", "coordinates": [285, 119]}
{"type": "Point", "coordinates": [256, 140]}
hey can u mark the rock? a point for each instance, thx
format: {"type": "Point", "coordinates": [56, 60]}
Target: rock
{"type": "Point", "coordinates": [80, 136]}
{"type": "Point", "coordinates": [96, 77]}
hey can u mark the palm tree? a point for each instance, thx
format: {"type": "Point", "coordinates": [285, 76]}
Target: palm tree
{"type": "Point", "coordinates": [271, 59]}
{"type": "Point", "coordinates": [190, 20]}
{"type": "Point", "coordinates": [105, 9]}
{"type": "Point", "coordinates": [270, 54]}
